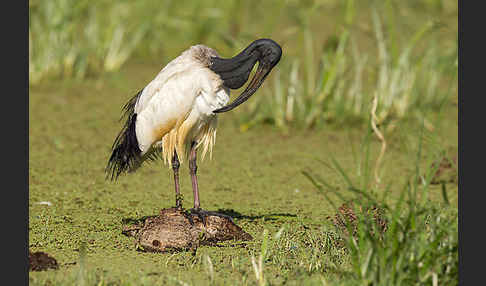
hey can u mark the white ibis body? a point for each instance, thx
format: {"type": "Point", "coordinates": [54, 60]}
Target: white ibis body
{"type": "Point", "coordinates": [176, 113]}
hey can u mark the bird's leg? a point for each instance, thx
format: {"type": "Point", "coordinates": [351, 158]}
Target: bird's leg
{"type": "Point", "coordinates": [175, 168]}
{"type": "Point", "coordinates": [192, 171]}
{"type": "Point", "coordinates": [202, 214]}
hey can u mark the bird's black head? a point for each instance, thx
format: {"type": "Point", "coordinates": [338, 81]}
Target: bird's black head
{"type": "Point", "coordinates": [270, 52]}
{"type": "Point", "coordinates": [235, 71]}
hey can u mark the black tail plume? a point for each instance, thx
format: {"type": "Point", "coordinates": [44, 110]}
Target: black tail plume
{"type": "Point", "coordinates": [126, 155]}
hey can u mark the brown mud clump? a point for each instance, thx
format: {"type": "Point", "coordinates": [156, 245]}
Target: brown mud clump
{"type": "Point", "coordinates": [348, 218]}
{"type": "Point", "coordinates": [177, 230]}
{"type": "Point", "coordinates": [446, 170]}
{"type": "Point", "coordinates": [39, 261]}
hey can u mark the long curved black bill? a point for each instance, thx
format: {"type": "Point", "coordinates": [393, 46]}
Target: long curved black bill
{"type": "Point", "coordinates": [252, 87]}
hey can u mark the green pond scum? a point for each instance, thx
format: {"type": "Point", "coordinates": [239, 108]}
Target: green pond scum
{"type": "Point", "coordinates": [282, 176]}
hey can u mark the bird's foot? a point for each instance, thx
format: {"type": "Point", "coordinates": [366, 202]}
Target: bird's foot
{"type": "Point", "coordinates": [203, 215]}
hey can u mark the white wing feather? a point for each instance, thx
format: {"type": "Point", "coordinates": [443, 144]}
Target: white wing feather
{"type": "Point", "coordinates": [177, 66]}
{"type": "Point", "coordinates": [195, 92]}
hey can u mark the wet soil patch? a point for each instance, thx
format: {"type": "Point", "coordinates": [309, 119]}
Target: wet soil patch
{"type": "Point", "coordinates": [39, 261]}
{"type": "Point", "coordinates": [180, 230]}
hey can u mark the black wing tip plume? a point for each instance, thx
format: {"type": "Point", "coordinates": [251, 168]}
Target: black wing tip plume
{"type": "Point", "coordinates": [125, 155]}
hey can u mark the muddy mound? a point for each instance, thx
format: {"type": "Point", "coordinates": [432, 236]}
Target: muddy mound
{"type": "Point", "coordinates": [39, 261]}
{"type": "Point", "coordinates": [178, 230]}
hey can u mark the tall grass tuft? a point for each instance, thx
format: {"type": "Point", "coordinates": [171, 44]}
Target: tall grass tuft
{"type": "Point", "coordinates": [76, 38]}
{"type": "Point", "coordinates": [337, 81]}
{"type": "Point", "coordinates": [70, 38]}
{"type": "Point", "coordinates": [420, 244]}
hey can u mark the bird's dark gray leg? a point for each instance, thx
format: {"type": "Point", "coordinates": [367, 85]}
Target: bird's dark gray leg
{"type": "Point", "coordinates": [175, 168]}
{"type": "Point", "coordinates": [192, 171]}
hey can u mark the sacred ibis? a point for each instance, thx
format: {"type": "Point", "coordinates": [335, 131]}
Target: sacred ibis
{"type": "Point", "coordinates": [176, 113]}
